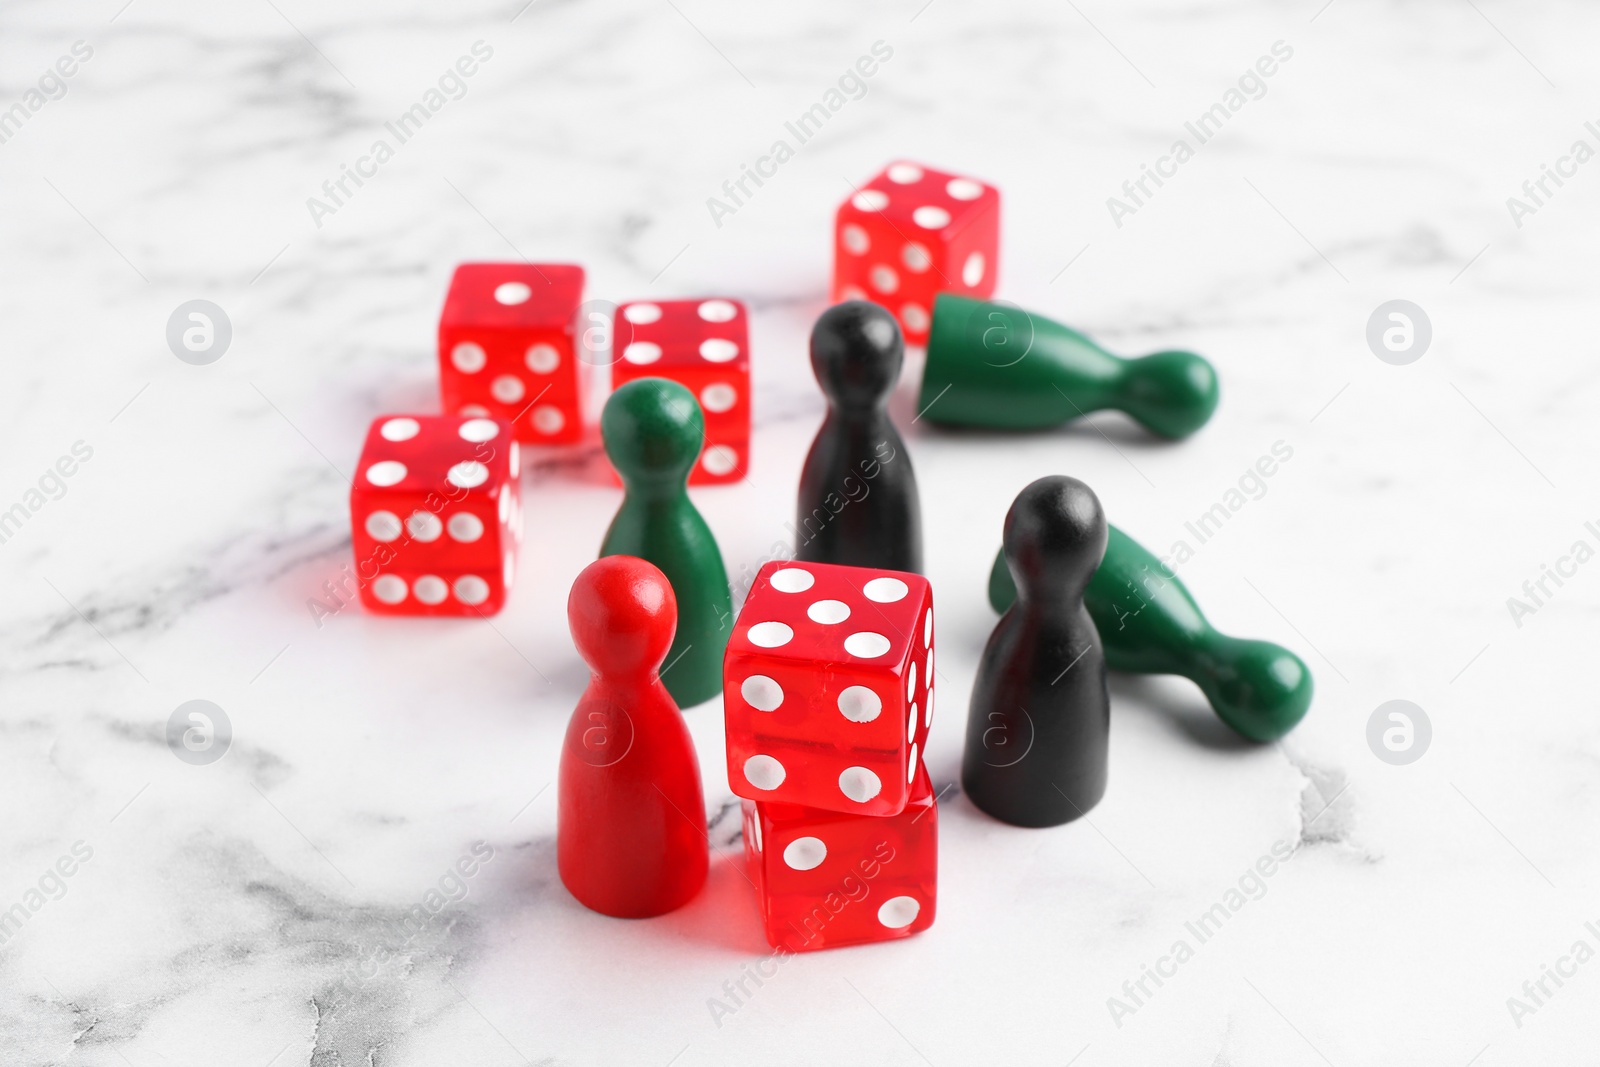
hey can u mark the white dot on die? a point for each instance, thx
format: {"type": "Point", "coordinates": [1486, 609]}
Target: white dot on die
{"type": "Point", "coordinates": [399, 429]}
{"type": "Point", "coordinates": [468, 474]}
{"type": "Point", "coordinates": [542, 358]}
{"type": "Point", "coordinates": [852, 292]}
{"type": "Point", "coordinates": [478, 430]}
{"type": "Point", "coordinates": [828, 612]}
{"type": "Point", "coordinates": [468, 358]}
{"type": "Point", "coordinates": [642, 352]}
{"type": "Point", "coordinates": [805, 853]}
{"type": "Point", "coordinates": [548, 420]}
{"type": "Point", "coordinates": [855, 239]}
{"type": "Point", "coordinates": [870, 200]}
{"type": "Point", "coordinates": [927, 712]}
{"type": "Point", "coordinates": [719, 460]}
{"type": "Point", "coordinates": [927, 630]}
{"type": "Point", "coordinates": [505, 506]}
{"type": "Point", "coordinates": [718, 397]}
{"type": "Point", "coordinates": [389, 588]}
{"type": "Point", "coordinates": [930, 217]}
{"type": "Point", "coordinates": [386, 472]}
{"type": "Point", "coordinates": [915, 317]}
{"type": "Point", "coordinates": [885, 590]}
{"type": "Point", "coordinates": [859, 704]}
{"type": "Point", "coordinates": [866, 645]}
{"type": "Point", "coordinates": [383, 526]}
{"type": "Point", "coordinates": [424, 526]}
{"type": "Point", "coordinates": [916, 257]}
{"type": "Point", "coordinates": [470, 589]}
{"type": "Point", "coordinates": [718, 349]}
{"type": "Point", "coordinates": [764, 772]}
{"type": "Point", "coordinates": [510, 569]}
{"type": "Point", "coordinates": [905, 173]}
{"type": "Point", "coordinates": [761, 692]}
{"type": "Point", "coordinates": [508, 389]}
{"type": "Point", "coordinates": [972, 269]}
{"type": "Point", "coordinates": [911, 722]}
{"type": "Point", "coordinates": [859, 784]}
{"type": "Point", "coordinates": [717, 311]}
{"type": "Point", "coordinates": [475, 411]}
{"type": "Point", "coordinates": [963, 189]}
{"type": "Point", "coordinates": [911, 682]}
{"type": "Point", "coordinates": [514, 459]}
{"type": "Point", "coordinates": [884, 279]}
{"type": "Point", "coordinates": [642, 314]}
{"type": "Point", "coordinates": [911, 765]}
{"type": "Point", "coordinates": [770, 634]}
{"type": "Point", "coordinates": [512, 293]}
{"type": "Point", "coordinates": [465, 526]}
{"type": "Point", "coordinates": [791, 580]}
{"type": "Point", "coordinates": [899, 912]}
{"type": "Point", "coordinates": [755, 822]}
{"type": "Point", "coordinates": [430, 589]}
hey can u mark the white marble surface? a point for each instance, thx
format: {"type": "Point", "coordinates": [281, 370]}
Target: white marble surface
{"type": "Point", "coordinates": [222, 904]}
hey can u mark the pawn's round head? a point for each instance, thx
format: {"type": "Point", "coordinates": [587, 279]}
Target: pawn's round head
{"type": "Point", "coordinates": [1173, 393]}
{"type": "Point", "coordinates": [1055, 538]}
{"type": "Point", "coordinates": [653, 430]}
{"type": "Point", "coordinates": [622, 614]}
{"type": "Point", "coordinates": [856, 352]}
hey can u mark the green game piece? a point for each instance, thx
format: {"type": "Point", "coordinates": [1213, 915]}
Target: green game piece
{"type": "Point", "coordinates": [999, 367]}
{"type": "Point", "coordinates": [653, 431]}
{"type": "Point", "coordinates": [1149, 624]}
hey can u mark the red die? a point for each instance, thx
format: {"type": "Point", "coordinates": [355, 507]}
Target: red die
{"type": "Point", "coordinates": [912, 233]}
{"type": "Point", "coordinates": [435, 516]}
{"type": "Point", "coordinates": [827, 879]}
{"type": "Point", "coordinates": [506, 348]}
{"type": "Point", "coordinates": [828, 687]}
{"type": "Point", "coordinates": [703, 345]}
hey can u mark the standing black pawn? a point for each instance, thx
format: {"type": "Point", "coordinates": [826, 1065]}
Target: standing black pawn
{"type": "Point", "coordinates": [858, 494]}
{"type": "Point", "coordinates": [1039, 724]}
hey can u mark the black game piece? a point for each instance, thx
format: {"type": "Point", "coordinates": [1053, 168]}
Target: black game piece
{"type": "Point", "coordinates": [858, 494]}
{"type": "Point", "coordinates": [1039, 722]}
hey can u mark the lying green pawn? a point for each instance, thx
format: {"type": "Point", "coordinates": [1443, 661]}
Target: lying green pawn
{"type": "Point", "coordinates": [997, 366]}
{"type": "Point", "coordinates": [1149, 624]}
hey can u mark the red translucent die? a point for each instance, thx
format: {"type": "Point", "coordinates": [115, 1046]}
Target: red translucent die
{"type": "Point", "coordinates": [704, 346]}
{"type": "Point", "coordinates": [828, 687]}
{"type": "Point", "coordinates": [506, 348]}
{"type": "Point", "coordinates": [435, 516]}
{"type": "Point", "coordinates": [827, 879]}
{"type": "Point", "coordinates": [911, 233]}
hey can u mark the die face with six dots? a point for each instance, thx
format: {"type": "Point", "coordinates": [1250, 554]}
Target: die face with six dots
{"type": "Point", "coordinates": [828, 687]}
{"type": "Point", "coordinates": [506, 348]}
{"type": "Point", "coordinates": [827, 879]}
{"type": "Point", "coordinates": [435, 516]}
{"type": "Point", "coordinates": [704, 346]}
{"type": "Point", "coordinates": [912, 233]}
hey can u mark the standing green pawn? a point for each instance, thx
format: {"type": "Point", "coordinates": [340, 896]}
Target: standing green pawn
{"type": "Point", "coordinates": [1150, 624]}
{"type": "Point", "coordinates": [653, 431]}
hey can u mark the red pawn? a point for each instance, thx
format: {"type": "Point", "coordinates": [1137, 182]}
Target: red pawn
{"type": "Point", "coordinates": [630, 824]}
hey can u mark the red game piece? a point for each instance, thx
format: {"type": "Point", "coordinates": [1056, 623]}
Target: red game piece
{"type": "Point", "coordinates": [911, 233]}
{"type": "Point", "coordinates": [631, 821]}
{"type": "Point", "coordinates": [435, 515]}
{"type": "Point", "coordinates": [827, 879]}
{"type": "Point", "coordinates": [506, 348]}
{"type": "Point", "coordinates": [703, 345]}
{"type": "Point", "coordinates": [828, 687]}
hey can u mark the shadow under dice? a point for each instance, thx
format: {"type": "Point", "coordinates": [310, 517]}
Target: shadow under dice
{"type": "Point", "coordinates": [435, 516]}
{"type": "Point", "coordinates": [506, 348]}
{"type": "Point", "coordinates": [704, 346]}
{"type": "Point", "coordinates": [911, 233]}
{"type": "Point", "coordinates": [828, 687]}
{"type": "Point", "coordinates": [827, 879]}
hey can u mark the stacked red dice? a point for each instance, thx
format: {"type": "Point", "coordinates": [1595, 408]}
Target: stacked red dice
{"type": "Point", "coordinates": [911, 233]}
{"type": "Point", "coordinates": [828, 698]}
{"type": "Point", "coordinates": [703, 345]}
{"type": "Point", "coordinates": [506, 348]}
{"type": "Point", "coordinates": [434, 514]}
